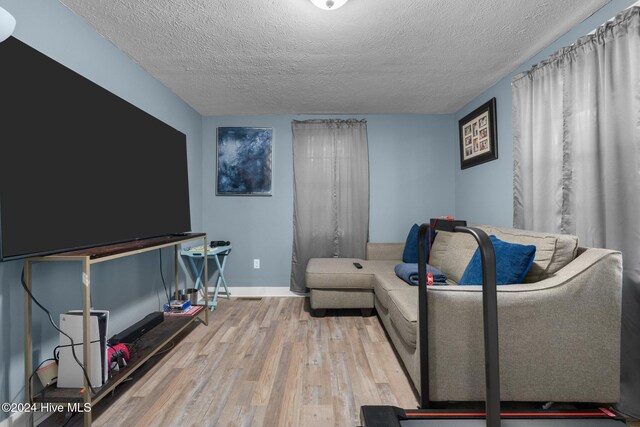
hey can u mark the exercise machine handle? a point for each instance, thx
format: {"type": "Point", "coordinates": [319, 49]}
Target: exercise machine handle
{"type": "Point", "coordinates": [489, 314]}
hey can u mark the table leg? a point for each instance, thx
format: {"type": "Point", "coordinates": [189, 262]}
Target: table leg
{"type": "Point", "coordinates": [28, 363]}
{"type": "Point", "coordinates": [197, 272]}
{"type": "Point", "coordinates": [221, 277]}
{"type": "Point", "coordinates": [86, 337]}
{"type": "Point", "coordinates": [206, 278]}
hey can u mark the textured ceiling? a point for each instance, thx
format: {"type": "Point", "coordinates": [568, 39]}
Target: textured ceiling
{"type": "Point", "coordinates": [236, 57]}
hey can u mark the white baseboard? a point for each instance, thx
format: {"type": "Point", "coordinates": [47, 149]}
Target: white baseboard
{"type": "Point", "coordinates": [257, 291]}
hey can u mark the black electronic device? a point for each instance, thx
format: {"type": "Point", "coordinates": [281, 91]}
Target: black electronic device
{"type": "Point", "coordinates": [138, 329]}
{"type": "Point", "coordinates": [357, 265]}
{"type": "Point", "coordinates": [389, 416]}
{"type": "Point", "coordinates": [80, 166]}
{"type": "Point", "coordinates": [446, 224]}
{"type": "Point", "coordinates": [216, 243]}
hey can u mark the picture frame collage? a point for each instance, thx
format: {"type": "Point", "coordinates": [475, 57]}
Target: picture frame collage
{"type": "Point", "coordinates": [478, 136]}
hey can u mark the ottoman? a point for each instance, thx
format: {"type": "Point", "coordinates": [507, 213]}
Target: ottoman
{"type": "Point", "coordinates": [337, 283]}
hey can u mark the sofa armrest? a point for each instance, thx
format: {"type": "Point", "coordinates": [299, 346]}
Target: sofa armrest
{"type": "Point", "coordinates": [385, 251]}
{"type": "Point", "coordinates": [560, 336]}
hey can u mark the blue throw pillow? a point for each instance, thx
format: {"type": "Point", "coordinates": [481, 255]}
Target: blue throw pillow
{"type": "Point", "coordinates": [410, 254]}
{"type": "Point", "coordinates": [513, 262]}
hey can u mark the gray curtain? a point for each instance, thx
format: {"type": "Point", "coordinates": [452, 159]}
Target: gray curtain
{"type": "Point", "coordinates": [331, 192]}
{"type": "Point", "coordinates": [576, 123]}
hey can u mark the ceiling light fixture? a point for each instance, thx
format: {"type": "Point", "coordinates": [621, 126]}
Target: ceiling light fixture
{"type": "Point", "coordinates": [7, 24]}
{"type": "Point", "coordinates": [329, 4]}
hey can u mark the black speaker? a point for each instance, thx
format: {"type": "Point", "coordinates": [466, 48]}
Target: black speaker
{"type": "Point", "coordinates": [138, 329]}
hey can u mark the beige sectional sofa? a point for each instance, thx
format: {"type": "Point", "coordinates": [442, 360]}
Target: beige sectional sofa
{"type": "Point", "coordinates": [559, 331]}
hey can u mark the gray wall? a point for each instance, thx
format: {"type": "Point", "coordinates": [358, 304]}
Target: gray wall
{"type": "Point", "coordinates": [411, 169]}
{"type": "Point", "coordinates": [131, 287]}
{"type": "Point", "coordinates": [484, 193]}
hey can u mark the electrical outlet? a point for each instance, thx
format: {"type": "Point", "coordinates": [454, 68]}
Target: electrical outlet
{"type": "Point", "coordinates": [256, 263]}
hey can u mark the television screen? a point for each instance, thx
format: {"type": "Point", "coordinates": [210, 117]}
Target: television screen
{"type": "Point", "coordinates": [79, 166]}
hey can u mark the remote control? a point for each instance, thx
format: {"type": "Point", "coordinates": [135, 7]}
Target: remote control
{"type": "Point", "coordinates": [357, 265]}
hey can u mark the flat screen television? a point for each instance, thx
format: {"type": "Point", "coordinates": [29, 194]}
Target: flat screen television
{"type": "Point", "coordinates": [80, 166]}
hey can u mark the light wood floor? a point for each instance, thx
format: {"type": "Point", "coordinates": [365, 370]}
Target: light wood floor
{"type": "Point", "coordinates": [264, 362]}
{"type": "Point", "coordinates": [267, 362]}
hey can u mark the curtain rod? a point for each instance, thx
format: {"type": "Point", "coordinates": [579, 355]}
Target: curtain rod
{"type": "Point", "coordinates": [622, 18]}
{"type": "Point", "coordinates": [336, 121]}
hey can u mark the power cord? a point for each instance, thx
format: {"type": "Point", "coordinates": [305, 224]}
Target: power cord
{"type": "Point", "coordinates": [56, 351]}
{"type": "Point", "coordinates": [166, 291]}
{"type": "Point", "coordinates": [166, 350]}
{"type": "Point", "coordinates": [73, 351]}
{"type": "Point", "coordinates": [36, 370]}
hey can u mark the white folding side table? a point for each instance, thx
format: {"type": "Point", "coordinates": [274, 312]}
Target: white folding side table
{"type": "Point", "coordinates": [218, 253]}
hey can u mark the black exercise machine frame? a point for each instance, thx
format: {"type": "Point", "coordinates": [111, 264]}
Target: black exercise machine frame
{"type": "Point", "coordinates": [489, 306]}
{"type": "Point", "coordinates": [391, 416]}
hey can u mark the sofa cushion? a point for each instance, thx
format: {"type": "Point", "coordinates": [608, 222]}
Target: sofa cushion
{"type": "Point", "coordinates": [553, 251]}
{"type": "Point", "coordinates": [324, 273]}
{"type": "Point", "coordinates": [513, 262]}
{"type": "Point", "coordinates": [451, 253]}
{"type": "Point", "coordinates": [383, 283]}
{"type": "Point", "coordinates": [381, 266]}
{"type": "Point", "coordinates": [403, 310]}
{"type": "Point", "coordinates": [385, 251]}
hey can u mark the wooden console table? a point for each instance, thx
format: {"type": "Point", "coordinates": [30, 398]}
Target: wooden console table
{"type": "Point", "coordinates": [156, 338]}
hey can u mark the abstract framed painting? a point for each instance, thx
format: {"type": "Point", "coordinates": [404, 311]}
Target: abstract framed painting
{"type": "Point", "coordinates": [244, 161]}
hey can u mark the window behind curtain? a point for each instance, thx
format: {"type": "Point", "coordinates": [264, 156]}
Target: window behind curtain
{"type": "Point", "coordinates": [576, 150]}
